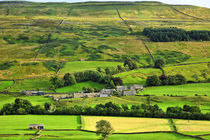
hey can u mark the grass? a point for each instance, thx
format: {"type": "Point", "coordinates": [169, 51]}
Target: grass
{"type": "Point", "coordinates": [5, 84]}
{"type": "Point", "coordinates": [77, 66]}
{"type": "Point", "coordinates": [17, 124]}
{"type": "Point", "coordinates": [72, 135]}
{"type": "Point", "coordinates": [129, 100]}
{"type": "Point", "coordinates": [137, 76]}
{"type": "Point", "coordinates": [192, 72]}
{"type": "Point", "coordinates": [179, 90]}
{"type": "Point", "coordinates": [193, 126]}
{"type": "Point", "coordinates": [78, 87]}
{"type": "Point", "coordinates": [128, 125]}
{"type": "Point", "coordinates": [35, 100]}
{"type": "Point", "coordinates": [157, 136]}
{"type": "Point", "coordinates": [42, 84]}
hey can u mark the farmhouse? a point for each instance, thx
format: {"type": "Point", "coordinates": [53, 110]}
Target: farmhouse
{"type": "Point", "coordinates": [29, 93]}
{"type": "Point", "coordinates": [136, 87]}
{"type": "Point", "coordinates": [120, 89]}
{"type": "Point", "coordinates": [36, 126]}
{"type": "Point", "coordinates": [107, 91]}
{"type": "Point", "coordinates": [103, 95]}
{"type": "Point", "coordinates": [85, 95]}
{"type": "Point", "coordinates": [129, 93]}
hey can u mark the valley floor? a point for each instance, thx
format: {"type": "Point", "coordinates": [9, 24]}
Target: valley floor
{"type": "Point", "coordinates": [62, 127]}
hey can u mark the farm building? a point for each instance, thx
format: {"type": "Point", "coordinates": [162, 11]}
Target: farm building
{"type": "Point", "coordinates": [85, 95]}
{"type": "Point", "coordinates": [107, 91]}
{"type": "Point", "coordinates": [29, 93]}
{"type": "Point", "coordinates": [36, 126]}
{"type": "Point", "coordinates": [103, 95]}
{"type": "Point", "coordinates": [136, 87]}
{"type": "Point", "coordinates": [120, 89]}
{"type": "Point", "coordinates": [129, 93]}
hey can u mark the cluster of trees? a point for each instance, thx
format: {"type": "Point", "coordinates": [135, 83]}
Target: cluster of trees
{"type": "Point", "coordinates": [174, 34]}
{"type": "Point", "coordinates": [89, 75]}
{"type": "Point", "coordinates": [22, 107]}
{"type": "Point", "coordinates": [166, 80]}
{"type": "Point", "coordinates": [101, 75]}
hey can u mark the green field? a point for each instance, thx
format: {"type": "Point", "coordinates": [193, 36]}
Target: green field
{"type": "Point", "coordinates": [87, 65]}
{"type": "Point", "coordinates": [17, 124]}
{"type": "Point", "coordinates": [35, 100]}
{"type": "Point", "coordinates": [78, 87]}
{"type": "Point", "coordinates": [5, 84]}
{"type": "Point", "coordinates": [41, 84]}
{"type": "Point", "coordinates": [192, 72]}
{"type": "Point", "coordinates": [68, 127]}
{"type": "Point", "coordinates": [157, 136]}
{"type": "Point", "coordinates": [179, 90]}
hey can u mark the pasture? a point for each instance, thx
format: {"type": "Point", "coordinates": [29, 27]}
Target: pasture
{"type": "Point", "coordinates": [17, 124]}
{"type": "Point", "coordinates": [35, 100]}
{"type": "Point", "coordinates": [77, 66]}
{"type": "Point", "coordinates": [5, 84]}
{"type": "Point", "coordinates": [179, 90]}
{"type": "Point", "coordinates": [68, 127]}
{"type": "Point", "coordinates": [42, 84]}
{"type": "Point", "coordinates": [128, 125]}
{"type": "Point", "coordinates": [150, 136]}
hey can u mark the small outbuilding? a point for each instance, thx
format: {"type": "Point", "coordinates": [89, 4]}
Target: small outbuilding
{"type": "Point", "coordinates": [36, 126]}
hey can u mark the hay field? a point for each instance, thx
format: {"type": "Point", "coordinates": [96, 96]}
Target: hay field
{"type": "Point", "coordinates": [128, 125]}
{"type": "Point", "coordinates": [192, 126]}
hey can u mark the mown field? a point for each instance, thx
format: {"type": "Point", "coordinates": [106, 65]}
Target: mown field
{"type": "Point", "coordinates": [128, 125]}
{"type": "Point", "coordinates": [68, 127]}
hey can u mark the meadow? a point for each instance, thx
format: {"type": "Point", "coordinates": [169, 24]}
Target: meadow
{"type": "Point", "coordinates": [17, 124]}
{"type": "Point", "coordinates": [35, 100]}
{"type": "Point", "coordinates": [127, 125]}
{"type": "Point", "coordinates": [5, 84]}
{"type": "Point", "coordinates": [179, 90]}
{"type": "Point", "coordinates": [78, 66]}
{"type": "Point", "coordinates": [68, 127]}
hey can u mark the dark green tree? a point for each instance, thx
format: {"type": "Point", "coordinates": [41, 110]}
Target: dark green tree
{"type": "Point", "coordinates": [130, 63]}
{"type": "Point", "coordinates": [180, 79]}
{"type": "Point", "coordinates": [153, 81]}
{"type": "Point", "coordinates": [159, 63]}
{"type": "Point", "coordinates": [56, 82]}
{"type": "Point", "coordinates": [69, 79]}
{"type": "Point", "coordinates": [104, 128]}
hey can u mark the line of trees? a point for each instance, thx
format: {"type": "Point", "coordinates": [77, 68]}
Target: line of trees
{"type": "Point", "coordinates": [154, 80]}
{"type": "Point", "coordinates": [175, 34]}
{"type": "Point", "coordinates": [23, 107]}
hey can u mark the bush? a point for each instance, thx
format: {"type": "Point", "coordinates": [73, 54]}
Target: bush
{"type": "Point", "coordinates": [153, 81]}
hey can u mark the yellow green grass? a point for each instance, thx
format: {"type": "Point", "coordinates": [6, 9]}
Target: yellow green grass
{"type": "Point", "coordinates": [35, 100]}
{"type": "Point", "coordinates": [87, 65]}
{"type": "Point", "coordinates": [193, 126]}
{"type": "Point", "coordinates": [128, 125]}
